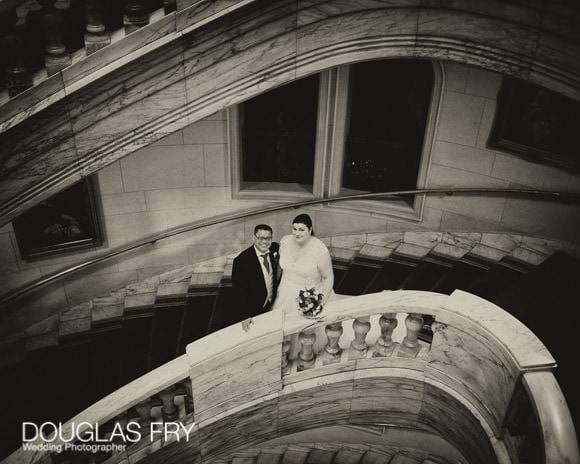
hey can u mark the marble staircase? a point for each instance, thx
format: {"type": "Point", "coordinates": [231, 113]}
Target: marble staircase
{"type": "Point", "coordinates": [114, 339]}
{"type": "Point", "coordinates": [331, 453]}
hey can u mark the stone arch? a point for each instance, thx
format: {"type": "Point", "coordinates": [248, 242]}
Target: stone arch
{"type": "Point", "coordinates": [252, 50]}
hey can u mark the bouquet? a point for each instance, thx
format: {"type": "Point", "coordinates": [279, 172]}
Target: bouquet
{"type": "Point", "coordinates": [309, 302]}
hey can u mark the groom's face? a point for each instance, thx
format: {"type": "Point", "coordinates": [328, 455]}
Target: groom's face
{"type": "Point", "coordinates": [262, 240]}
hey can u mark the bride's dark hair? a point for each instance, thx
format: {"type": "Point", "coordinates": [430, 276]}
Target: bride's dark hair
{"type": "Point", "coordinates": [304, 219]}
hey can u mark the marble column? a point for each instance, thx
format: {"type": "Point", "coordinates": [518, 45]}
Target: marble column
{"type": "Point", "coordinates": [169, 411]}
{"type": "Point", "coordinates": [188, 400]}
{"type": "Point", "coordinates": [56, 58]}
{"type": "Point", "coordinates": [286, 345]}
{"type": "Point", "coordinates": [96, 35]}
{"type": "Point", "coordinates": [332, 350]}
{"type": "Point", "coordinates": [385, 345]}
{"type": "Point", "coordinates": [410, 347]}
{"type": "Point", "coordinates": [169, 6]}
{"type": "Point", "coordinates": [136, 15]}
{"type": "Point", "coordinates": [18, 73]}
{"type": "Point", "coordinates": [359, 345]}
{"type": "Point", "coordinates": [306, 356]}
{"type": "Point", "coordinates": [144, 410]}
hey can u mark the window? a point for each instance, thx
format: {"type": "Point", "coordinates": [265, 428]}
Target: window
{"type": "Point", "coordinates": [278, 135]}
{"type": "Point", "coordinates": [366, 127]}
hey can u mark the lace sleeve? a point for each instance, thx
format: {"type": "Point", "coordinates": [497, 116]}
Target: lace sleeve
{"type": "Point", "coordinates": [324, 265]}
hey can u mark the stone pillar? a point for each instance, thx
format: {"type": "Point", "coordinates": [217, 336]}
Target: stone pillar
{"type": "Point", "coordinates": [410, 347]}
{"type": "Point", "coordinates": [169, 6]}
{"type": "Point", "coordinates": [169, 411]}
{"type": "Point", "coordinates": [96, 36]}
{"type": "Point", "coordinates": [286, 345]}
{"type": "Point", "coordinates": [136, 15]}
{"type": "Point", "coordinates": [385, 345]}
{"type": "Point", "coordinates": [359, 345]}
{"type": "Point", "coordinates": [306, 356]}
{"type": "Point", "coordinates": [56, 58]}
{"type": "Point", "coordinates": [18, 73]}
{"type": "Point", "coordinates": [188, 400]}
{"type": "Point", "coordinates": [332, 350]}
{"type": "Point", "coordinates": [144, 410]}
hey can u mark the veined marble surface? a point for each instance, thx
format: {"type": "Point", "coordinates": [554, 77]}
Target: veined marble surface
{"type": "Point", "coordinates": [460, 388]}
{"type": "Point", "coordinates": [175, 71]}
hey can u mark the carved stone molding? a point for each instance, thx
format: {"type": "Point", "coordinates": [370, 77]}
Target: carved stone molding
{"type": "Point", "coordinates": [92, 117]}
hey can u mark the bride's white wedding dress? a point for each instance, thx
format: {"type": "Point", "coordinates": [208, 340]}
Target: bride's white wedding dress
{"type": "Point", "coordinates": [303, 267]}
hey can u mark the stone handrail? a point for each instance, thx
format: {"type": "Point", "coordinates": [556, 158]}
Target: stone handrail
{"type": "Point", "coordinates": [559, 438]}
{"type": "Point", "coordinates": [123, 47]}
{"type": "Point", "coordinates": [106, 255]}
{"type": "Point", "coordinates": [477, 355]}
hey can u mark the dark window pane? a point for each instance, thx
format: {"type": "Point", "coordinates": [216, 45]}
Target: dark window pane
{"type": "Point", "coordinates": [279, 134]}
{"type": "Point", "coordinates": [389, 102]}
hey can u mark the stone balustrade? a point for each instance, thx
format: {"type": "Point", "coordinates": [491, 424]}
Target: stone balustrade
{"type": "Point", "coordinates": [372, 366]}
{"type": "Point", "coordinates": [344, 341]}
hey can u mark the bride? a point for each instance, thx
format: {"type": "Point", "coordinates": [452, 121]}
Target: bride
{"type": "Point", "coordinates": [305, 263]}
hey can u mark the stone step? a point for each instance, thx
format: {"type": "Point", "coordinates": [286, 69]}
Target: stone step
{"type": "Point", "coordinates": [396, 253]}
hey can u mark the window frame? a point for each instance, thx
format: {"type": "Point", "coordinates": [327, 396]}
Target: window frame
{"type": "Point", "coordinates": [332, 123]}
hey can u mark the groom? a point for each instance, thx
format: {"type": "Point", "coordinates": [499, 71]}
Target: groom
{"type": "Point", "coordinates": [254, 275]}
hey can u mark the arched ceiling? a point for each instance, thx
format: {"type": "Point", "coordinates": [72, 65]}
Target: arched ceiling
{"type": "Point", "coordinates": [250, 50]}
{"type": "Point", "coordinates": [407, 403]}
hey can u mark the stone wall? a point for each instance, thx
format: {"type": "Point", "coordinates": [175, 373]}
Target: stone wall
{"type": "Point", "coordinates": [185, 177]}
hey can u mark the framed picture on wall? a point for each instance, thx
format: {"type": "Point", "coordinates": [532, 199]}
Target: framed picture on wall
{"type": "Point", "coordinates": [66, 222]}
{"type": "Point", "coordinates": [537, 124]}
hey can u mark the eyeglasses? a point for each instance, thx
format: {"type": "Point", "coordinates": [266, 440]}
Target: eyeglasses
{"type": "Point", "coordinates": [263, 239]}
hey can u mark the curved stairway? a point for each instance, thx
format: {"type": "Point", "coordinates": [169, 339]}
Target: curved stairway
{"type": "Point", "coordinates": [331, 453]}
{"type": "Point", "coordinates": [106, 343]}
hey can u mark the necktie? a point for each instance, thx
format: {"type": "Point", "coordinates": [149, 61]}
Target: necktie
{"type": "Point", "coordinates": [266, 263]}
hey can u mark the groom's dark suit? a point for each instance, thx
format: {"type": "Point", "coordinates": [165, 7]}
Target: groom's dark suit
{"type": "Point", "coordinates": [249, 287]}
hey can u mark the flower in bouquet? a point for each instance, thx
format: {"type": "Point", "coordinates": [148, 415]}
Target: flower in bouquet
{"type": "Point", "coordinates": [309, 302]}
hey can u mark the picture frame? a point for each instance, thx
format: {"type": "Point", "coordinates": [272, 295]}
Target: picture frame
{"type": "Point", "coordinates": [529, 122]}
{"type": "Point", "coordinates": [66, 222]}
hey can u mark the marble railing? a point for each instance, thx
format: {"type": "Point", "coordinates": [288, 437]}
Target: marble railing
{"type": "Point", "coordinates": [274, 378]}
{"type": "Point", "coordinates": [346, 341]}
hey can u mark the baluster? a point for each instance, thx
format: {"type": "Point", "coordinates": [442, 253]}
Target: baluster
{"type": "Point", "coordinates": [188, 400]}
{"type": "Point", "coordinates": [96, 36]}
{"type": "Point", "coordinates": [18, 73]}
{"type": "Point", "coordinates": [306, 356]}
{"type": "Point", "coordinates": [169, 411]}
{"type": "Point", "coordinates": [169, 6]}
{"type": "Point", "coordinates": [359, 346]}
{"type": "Point", "coordinates": [136, 15]}
{"type": "Point", "coordinates": [332, 350]}
{"type": "Point", "coordinates": [385, 345]}
{"type": "Point", "coordinates": [286, 345]}
{"type": "Point", "coordinates": [56, 57]}
{"type": "Point", "coordinates": [144, 410]}
{"type": "Point", "coordinates": [410, 345]}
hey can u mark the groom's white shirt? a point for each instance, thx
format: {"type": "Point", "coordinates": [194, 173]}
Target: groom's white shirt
{"type": "Point", "coordinates": [267, 275]}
